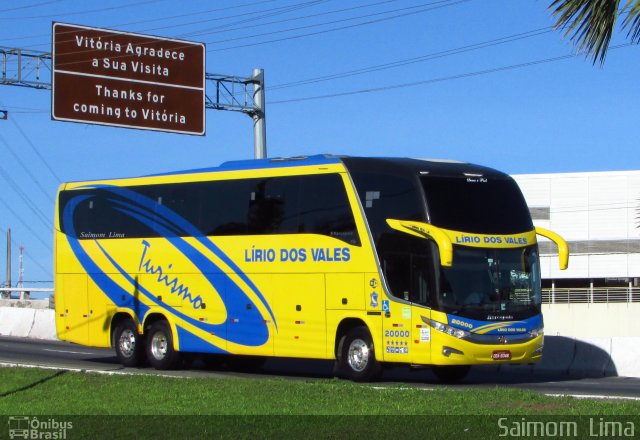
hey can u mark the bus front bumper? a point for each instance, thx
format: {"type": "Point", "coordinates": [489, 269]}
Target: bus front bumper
{"type": "Point", "coordinates": [449, 350]}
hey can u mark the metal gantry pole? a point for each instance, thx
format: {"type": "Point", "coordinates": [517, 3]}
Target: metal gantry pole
{"type": "Point", "coordinates": [259, 116]}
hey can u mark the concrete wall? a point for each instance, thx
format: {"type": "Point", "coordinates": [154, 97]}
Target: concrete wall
{"type": "Point", "coordinates": [592, 320]}
{"type": "Point", "coordinates": [28, 322]}
{"type": "Point", "coordinates": [592, 339]}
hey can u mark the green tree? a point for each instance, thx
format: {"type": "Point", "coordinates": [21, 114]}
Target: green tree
{"type": "Point", "coordinates": [590, 23]}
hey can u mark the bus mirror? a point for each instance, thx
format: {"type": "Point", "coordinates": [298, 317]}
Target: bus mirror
{"type": "Point", "coordinates": [563, 247]}
{"type": "Point", "coordinates": [425, 230]}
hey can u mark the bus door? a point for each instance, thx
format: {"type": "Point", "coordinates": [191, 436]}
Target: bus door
{"type": "Point", "coordinates": [74, 307]}
{"type": "Point", "coordinates": [396, 308]}
{"type": "Point", "coordinates": [407, 336]}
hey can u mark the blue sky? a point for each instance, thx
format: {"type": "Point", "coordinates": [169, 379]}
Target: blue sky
{"type": "Point", "coordinates": [504, 105]}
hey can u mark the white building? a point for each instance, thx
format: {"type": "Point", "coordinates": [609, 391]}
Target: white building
{"type": "Point", "coordinates": [598, 213]}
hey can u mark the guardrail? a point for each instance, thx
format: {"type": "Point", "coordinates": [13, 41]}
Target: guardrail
{"type": "Point", "coordinates": [591, 295]}
{"type": "Point", "coordinates": [23, 292]}
{"type": "Point", "coordinates": [549, 296]}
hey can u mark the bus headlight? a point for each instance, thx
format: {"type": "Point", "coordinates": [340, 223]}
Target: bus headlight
{"type": "Point", "coordinates": [452, 331]}
{"type": "Point", "coordinates": [534, 333]}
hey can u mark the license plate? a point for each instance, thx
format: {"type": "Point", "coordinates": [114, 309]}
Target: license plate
{"type": "Point", "coordinates": [501, 355]}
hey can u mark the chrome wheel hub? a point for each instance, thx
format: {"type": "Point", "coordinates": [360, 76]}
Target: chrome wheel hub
{"type": "Point", "coordinates": [159, 345]}
{"type": "Point", "coordinates": [127, 343]}
{"type": "Point", "coordinates": [358, 355]}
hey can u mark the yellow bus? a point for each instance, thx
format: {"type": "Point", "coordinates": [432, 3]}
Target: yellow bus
{"type": "Point", "coordinates": [367, 261]}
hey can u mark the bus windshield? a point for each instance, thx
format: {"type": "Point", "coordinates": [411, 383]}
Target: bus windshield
{"type": "Point", "coordinates": [479, 205]}
{"type": "Point", "coordinates": [491, 284]}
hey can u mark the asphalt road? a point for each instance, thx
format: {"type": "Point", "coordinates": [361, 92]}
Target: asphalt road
{"type": "Point", "coordinates": [52, 354]}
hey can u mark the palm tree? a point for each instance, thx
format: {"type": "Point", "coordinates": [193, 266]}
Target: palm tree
{"type": "Point", "coordinates": [590, 23]}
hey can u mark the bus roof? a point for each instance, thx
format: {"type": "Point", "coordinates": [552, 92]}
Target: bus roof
{"type": "Point", "coordinates": [253, 164]}
{"type": "Point", "coordinates": [385, 165]}
{"type": "Point", "coordinates": [437, 166]}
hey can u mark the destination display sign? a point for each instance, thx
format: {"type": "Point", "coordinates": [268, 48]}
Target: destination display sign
{"type": "Point", "coordinates": [108, 77]}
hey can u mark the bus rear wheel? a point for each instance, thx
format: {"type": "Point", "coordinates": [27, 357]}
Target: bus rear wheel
{"type": "Point", "coordinates": [357, 358]}
{"type": "Point", "coordinates": [129, 344]}
{"type": "Point", "coordinates": [451, 373]}
{"type": "Point", "coordinates": [160, 350]}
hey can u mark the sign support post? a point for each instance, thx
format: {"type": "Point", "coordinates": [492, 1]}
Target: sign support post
{"type": "Point", "coordinates": [258, 115]}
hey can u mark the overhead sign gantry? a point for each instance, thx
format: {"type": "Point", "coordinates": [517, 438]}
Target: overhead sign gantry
{"type": "Point", "coordinates": [30, 68]}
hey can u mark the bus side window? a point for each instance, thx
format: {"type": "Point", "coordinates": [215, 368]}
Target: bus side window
{"type": "Point", "coordinates": [273, 206]}
{"type": "Point", "coordinates": [225, 207]}
{"type": "Point", "coordinates": [325, 208]}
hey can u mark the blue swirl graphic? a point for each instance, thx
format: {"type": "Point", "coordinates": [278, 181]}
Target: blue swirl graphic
{"type": "Point", "coordinates": [249, 327]}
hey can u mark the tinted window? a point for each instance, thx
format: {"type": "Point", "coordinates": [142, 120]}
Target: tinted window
{"type": "Point", "coordinates": [388, 196]}
{"type": "Point", "coordinates": [476, 204]}
{"type": "Point", "coordinates": [98, 213]}
{"type": "Point", "coordinates": [325, 209]}
{"type": "Point", "coordinates": [225, 207]}
{"type": "Point", "coordinates": [408, 266]}
{"type": "Point", "coordinates": [279, 205]}
{"type": "Point", "coordinates": [273, 206]}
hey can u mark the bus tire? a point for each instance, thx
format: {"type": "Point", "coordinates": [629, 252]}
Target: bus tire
{"type": "Point", "coordinates": [160, 350]}
{"type": "Point", "coordinates": [357, 360]}
{"type": "Point", "coordinates": [129, 344]}
{"type": "Point", "coordinates": [451, 373]}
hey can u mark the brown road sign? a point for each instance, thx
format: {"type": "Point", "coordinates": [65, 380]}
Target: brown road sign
{"type": "Point", "coordinates": [108, 77]}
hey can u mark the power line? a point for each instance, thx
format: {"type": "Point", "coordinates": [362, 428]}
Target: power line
{"type": "Point", "coordinates": [319, 14]}
{"type": "Point", "coordinates": [35, 150]}
{"type": "Point", "coordinates": [25, 198]}
{"type": "Point", "coordinates": [426, 7]}
{"type": "Point", "coordinates": [86, 11]}
{"type": "Point", "coordinates": [35, 5]}
{"type": "Point", "coordinates": [437, 80]}
{"type": "Point", "coordinates": [199, 13]}
{"type": "Point", "coordinates": [280, 10]}
{"type": "Point", "coordinates": [261, 16]}
{"type": "Point", "coordinates": [25, 168]}
{"type": "Point", "coordinates": [326, 31]}
{"type": "Point", "coordinates": [35, 235]}
{"type": "Point", "coordinates": [262, 12]}
{"type": "Point", "coordinates": [422, 5]}
{"type": "Point", "coordinates": [413, 60]}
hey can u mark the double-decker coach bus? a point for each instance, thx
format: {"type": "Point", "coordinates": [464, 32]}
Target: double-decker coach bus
{"type": "Point", "coordinates": [367, 261]}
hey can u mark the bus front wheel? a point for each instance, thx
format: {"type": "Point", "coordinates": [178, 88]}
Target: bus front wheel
{"type": "Point", "coordinates": [357, 358]}
{"type": "Point", "coordinates": [160, 350]}
{"type": "Point", "coordinates": [129, 344]}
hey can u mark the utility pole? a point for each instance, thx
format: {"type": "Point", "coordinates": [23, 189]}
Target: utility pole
{"type": "Point", "coordinates": [23, 294]}
{"type": "Point", "coordinates": [26, 68]}
{"type": "Point", "coordinates": [8, 282]}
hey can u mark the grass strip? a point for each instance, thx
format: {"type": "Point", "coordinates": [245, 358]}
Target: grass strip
{"type": "Point", "coordinates": [147, 406]}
